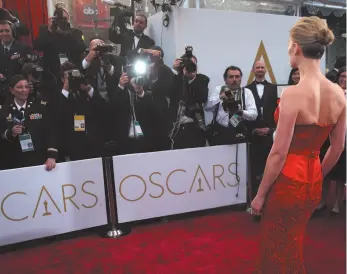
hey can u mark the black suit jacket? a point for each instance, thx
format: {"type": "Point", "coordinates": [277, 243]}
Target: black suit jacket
{"type": "Point", "coordinates": [269, 106]}
{"type": "Point", "coordinates": [52, 44]}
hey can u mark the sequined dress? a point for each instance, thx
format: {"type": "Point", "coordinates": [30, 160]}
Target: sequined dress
{"type": "Point", "coordinates": [290, 202]}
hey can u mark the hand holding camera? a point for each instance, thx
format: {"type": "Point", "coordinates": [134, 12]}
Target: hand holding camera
{"type": "Point", "coordinates": [124, 79]}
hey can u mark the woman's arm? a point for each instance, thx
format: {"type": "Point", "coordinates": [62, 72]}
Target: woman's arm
{"type": "Point", "coordinates": [284, 134]}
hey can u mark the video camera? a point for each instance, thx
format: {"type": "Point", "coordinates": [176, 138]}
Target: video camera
{"type": "Point", "coordinates": [232, 100]}
{"type": "Point", "coordinates": [186, 60]}
{"type": "Point", "coordinates": [139, 71]}
{"type": "Point", "coordinates": [76, 79]}
{"type": "Point", "coordinates": [58, 20]}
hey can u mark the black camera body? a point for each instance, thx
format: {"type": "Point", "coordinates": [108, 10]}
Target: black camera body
{"type": "Point", "coordinates": [76, 79]}
{"type": "Point", "coordinates": [187, 63]}
{"type": "Point", "coordinates": [140, 78]}
{"type": "Point", "coordinates": [232, 101]}
{"type": "Point", "coordinates": [105, 48]}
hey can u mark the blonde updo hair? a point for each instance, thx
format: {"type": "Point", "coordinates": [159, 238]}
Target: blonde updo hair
{"type": "Point", "coordinates": [313, 35]}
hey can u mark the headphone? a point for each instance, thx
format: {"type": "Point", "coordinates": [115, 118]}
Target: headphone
{"type": "Point", "coordinates": [12, 26]}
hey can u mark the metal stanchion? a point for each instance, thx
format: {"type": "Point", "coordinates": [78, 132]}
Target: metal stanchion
{"type": "Point", "coordinates": [113, 232]}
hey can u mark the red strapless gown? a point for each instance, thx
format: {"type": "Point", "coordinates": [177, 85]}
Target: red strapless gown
{"type": "Point", "coordinates": [292, 199]}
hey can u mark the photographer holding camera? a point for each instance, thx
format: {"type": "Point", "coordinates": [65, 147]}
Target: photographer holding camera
{"type": "Point", "coordinates": [83, 114]}
{"type": "Point", "coordinates": [132, 41]}
{"type": "Point", "coordinates": [20, 29]}
{"type": "Point", "coordinates": [189, 94]}
{"type": "Point", "coordinates": [138, 110]}
{"type": "Point", "coordinates": [59, 42]}
{"type": "Point", "coordinates": [231, 110]}
{"type": "Point", "coordinates": [103, 67]}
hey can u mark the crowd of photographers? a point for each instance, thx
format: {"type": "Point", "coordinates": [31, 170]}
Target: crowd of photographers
{"type": "Point", "coordinates": [75, 103]}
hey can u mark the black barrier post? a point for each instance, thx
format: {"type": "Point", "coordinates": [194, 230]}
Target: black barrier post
{"type": "Point", "coordinates": [113, 232]}
{"type": "Point", "coordinates": [249, 175]}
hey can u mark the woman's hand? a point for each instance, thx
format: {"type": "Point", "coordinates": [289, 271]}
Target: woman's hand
{"type": "Point", "coordinates": [257, 205]}
{"type": "Point", "coordinates": [50, 164]}
{"type": "Point", "coordinates": [17, 130]}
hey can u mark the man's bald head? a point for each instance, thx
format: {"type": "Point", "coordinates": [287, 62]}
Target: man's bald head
{"type": "Point", "coordinates": [94, 43]}
{"type": "Point", "coordinates": [259, 70]}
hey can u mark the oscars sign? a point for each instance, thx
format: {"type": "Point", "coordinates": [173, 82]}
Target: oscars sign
{"type": "Point", "coordinates": [173, 182]}
{"type": "Point", "coordinates": [35, 203]}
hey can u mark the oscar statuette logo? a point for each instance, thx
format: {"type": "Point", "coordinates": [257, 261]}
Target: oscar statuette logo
{"type": "Point", "coordinates": [46, 213]}
{"type": "Point", "coordinates": [134, 187]}
{"type": "Point", "coordinates": [262, 55]}
{"type": "Point", "coordinates": [45, 203]}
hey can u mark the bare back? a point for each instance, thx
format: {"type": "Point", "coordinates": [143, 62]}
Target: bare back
{"type": "Point", "coordinates": [319, 101]}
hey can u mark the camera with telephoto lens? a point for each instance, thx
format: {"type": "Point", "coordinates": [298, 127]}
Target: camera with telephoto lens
{"type": "Point", "coordinates": [104, 48]}
{"type": "Point", "coordinates": [138, 71]}
{"type": "Point", "coordinates": [186, 60]}
{"type": "Point", "coordinates": [76, 79]}
{"type": "Point", "coordinates": [232, 100]}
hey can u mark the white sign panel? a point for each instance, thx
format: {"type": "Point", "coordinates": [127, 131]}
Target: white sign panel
{"type": "Point", "coordinates": [172, 182]}
{"type": "Point", "coordinates": [35, 203]}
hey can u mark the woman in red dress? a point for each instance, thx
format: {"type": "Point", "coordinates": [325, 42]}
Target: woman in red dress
{"type": "Point", "coordinates": [292, 183]}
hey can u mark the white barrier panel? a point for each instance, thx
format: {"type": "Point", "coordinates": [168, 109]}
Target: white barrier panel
{"type": "Point", "coordinates": [172, 182]}
{"type": "Point", "coordinates": [35, 203]}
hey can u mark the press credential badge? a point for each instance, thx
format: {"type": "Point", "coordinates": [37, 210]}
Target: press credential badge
{"type": "Point", "coordinates": [80, 124]}
{"type": "Point", "coordinates": [26, 143]}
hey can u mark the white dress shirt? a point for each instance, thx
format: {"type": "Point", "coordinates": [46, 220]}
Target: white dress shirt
{"type": "Point", "coordinates": [250, 112]}
{"type": "Point", "coordinates": [66, 93]}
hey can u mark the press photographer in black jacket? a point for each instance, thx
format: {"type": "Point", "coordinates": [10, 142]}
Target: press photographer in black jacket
{"type": "Point", "coordinates": [59, 43]}
{"type": "Point", "coordinates": [83, 112]}
{"type": "Point", "coordinates": [186, 103]}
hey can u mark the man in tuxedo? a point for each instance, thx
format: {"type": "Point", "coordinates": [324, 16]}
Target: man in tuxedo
{"type": "Point", "coordinates": [133, 40]}
{"type": "Point", "coordinates": [13, 17]}
{"type": "Point", "coordinates": [265, 95]}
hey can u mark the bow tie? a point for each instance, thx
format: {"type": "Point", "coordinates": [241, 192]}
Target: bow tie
{"type": "Point", "coordinates": [260, 83]}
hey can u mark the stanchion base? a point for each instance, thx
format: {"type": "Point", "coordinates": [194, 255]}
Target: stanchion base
{"type": "Point", "coordinates": [114, 233]}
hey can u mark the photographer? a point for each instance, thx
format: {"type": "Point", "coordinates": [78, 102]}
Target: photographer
{"type": "Point", "coordinates": [103, 67]}
{"type": "Point", "coordinates": [137, 112]}
{"type": "Point", "coordinates": [189, 94]}
{"type": "Point", "coordinates": [132, 40]}
{"type": "Point", "coordinates": [12, 16]}
{"type": "Point", "coordinates": [27, 128]}
{"type": "Point", "coordinates": [11, 54]}
{"type": "Point", "coordinates": [231, 109]}
{"type": "Point", "coordinates": [59, 42]}
{"type": "Point", "coordinates": [83, 114]}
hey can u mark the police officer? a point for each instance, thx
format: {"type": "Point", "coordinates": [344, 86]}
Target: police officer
{"type": "Point", "coordinates": [26, 127]}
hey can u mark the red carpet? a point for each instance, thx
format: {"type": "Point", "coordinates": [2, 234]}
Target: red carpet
{"type": "Point", "coordinates": [220, 243]}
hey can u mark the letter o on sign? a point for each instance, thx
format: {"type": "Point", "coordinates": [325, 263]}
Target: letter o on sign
{"type": "Point", "coordinates": [124, 180]}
